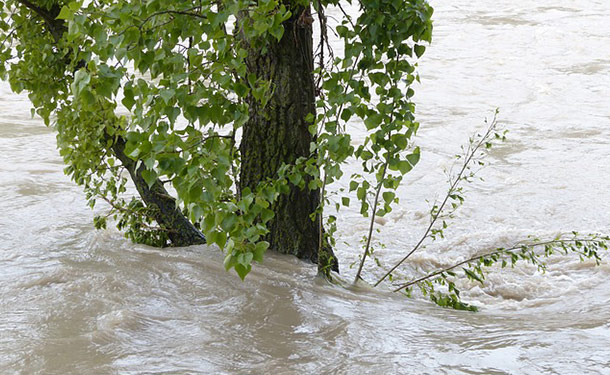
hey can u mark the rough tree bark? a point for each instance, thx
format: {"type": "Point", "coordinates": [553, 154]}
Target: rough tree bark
{"type": "Point", "coordinates": [278, 133]}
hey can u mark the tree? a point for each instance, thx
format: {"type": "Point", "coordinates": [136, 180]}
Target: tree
{"type": "Point", "coordinates": [227, 125]}
{"type": "Point", "coordinates": [215, 121]}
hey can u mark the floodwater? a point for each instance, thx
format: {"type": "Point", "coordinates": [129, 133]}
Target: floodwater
{"type": "Point", "coordinates": [78, 301]}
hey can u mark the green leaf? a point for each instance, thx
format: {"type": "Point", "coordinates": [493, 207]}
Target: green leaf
{"type": "Point", "coordinates": [230, 261]}
{"type": "Point", "coordinates": [419, 50]}
{"type": "Point", "coordinates": [128, 100]}
{"type": "Point", "coordinates": [361, 193]}
{"type": "Point", "coordinates": [388, 196]}
{"type": "Point", "coordinates": [172, 114]}
{"type": "Point", "coordinates": [277, 32]}
{"type": "Point", "coordinates": [217, 237]}
{"type": "Point", "coordinates": [404, 166]}
{"type": "Point", "coordinates": [414, 157]}
{"type": "Point", "coordinates": [149, 176]}
{"type": "Point", "coordinates": [400, 140]}
{"type": "Point", "coordinates": [241, 90]}
{"type": "Point", "coordinates": [472, 275]}
{"type": "Point", "coordinates": [66, 14]}
{"type": "Point", "coordinates": [267, 215]}
{"type": "Point", "coordinates": [373, 121]}
{"type": "Point", "coordinates": [242, 270]}
{"type": "Point", "coordinates": [228, 223]}
{"type": "Point", "coordinates": [259, 250]}
{"type": "Point", "coordinates": [167, 95]}
{"type": "Point", "coordinates": [245, 258]}
{"type": "Point", "coordinates": [81, 79]}
{"type": "Point", "coordinates": [295, 178]}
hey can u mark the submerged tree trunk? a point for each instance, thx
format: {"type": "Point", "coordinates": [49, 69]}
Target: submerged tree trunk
{"type": "Point", "coordinates": [180, 230]}
{"type": "Point", "coordinates": [278, 133]}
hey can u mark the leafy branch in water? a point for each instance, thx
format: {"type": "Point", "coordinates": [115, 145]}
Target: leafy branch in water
{"type": "Point", "coordinates": [535, 251]}
{"type": "Point", "coordinates": [473, 155]}
{"type": "Point", "coordinates": [440, 285]}
{"type": "Point", "coordinates": [136, 220]}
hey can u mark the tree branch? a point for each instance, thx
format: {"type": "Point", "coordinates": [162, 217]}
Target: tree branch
{"type": "Point", "coordinates": [167, 214]}
{"type": "Point", "coordinates": [56, 27]}
{"type": "Point", "coordinates": [452, 188]}
{"type": "Point", "coordinates": [479, 257]}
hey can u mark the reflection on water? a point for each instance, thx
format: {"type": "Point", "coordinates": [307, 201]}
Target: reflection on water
{"type": "Point", "coordinates": [76, 301]}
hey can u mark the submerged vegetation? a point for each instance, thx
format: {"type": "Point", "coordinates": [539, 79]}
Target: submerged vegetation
{"type": "Point", "coordinates": [439, 285]}
{"type": "Point", "coordinates": [219, 122]}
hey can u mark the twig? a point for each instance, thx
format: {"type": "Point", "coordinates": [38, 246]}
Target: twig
{"type": "Point", "coordinates": [9, 35]}
{"type": "Point", "coordinates": [321, 216]}
{"type": "Point", "coordinates": [323, 42]}
{"type": "Point", "coordinates": [372, 223]}
{"type": "Point", "coordinates": [450, 192]}
{"type": "Point", "coordinates": [186, 12]}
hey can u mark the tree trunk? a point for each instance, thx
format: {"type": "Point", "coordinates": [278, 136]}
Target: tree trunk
{"type": "Point", "coordinates": [278, 134]}
{"type": "Point", "coordinates": [181, 231]}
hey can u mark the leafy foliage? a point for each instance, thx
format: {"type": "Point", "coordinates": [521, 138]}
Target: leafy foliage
{"type": "Point", "coordinates": [170, 79]}
{"type": "Point", "coordinates": [473, 156]}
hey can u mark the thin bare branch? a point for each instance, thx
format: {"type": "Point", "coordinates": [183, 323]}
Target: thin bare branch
{"type": "Point", "coordinates": [372, 223]}
{"type": "Point", "coordinates": [472, 152]}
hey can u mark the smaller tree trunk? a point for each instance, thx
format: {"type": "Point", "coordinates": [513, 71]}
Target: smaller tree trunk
{"type": "Point", "coordinates": [181, 231]}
